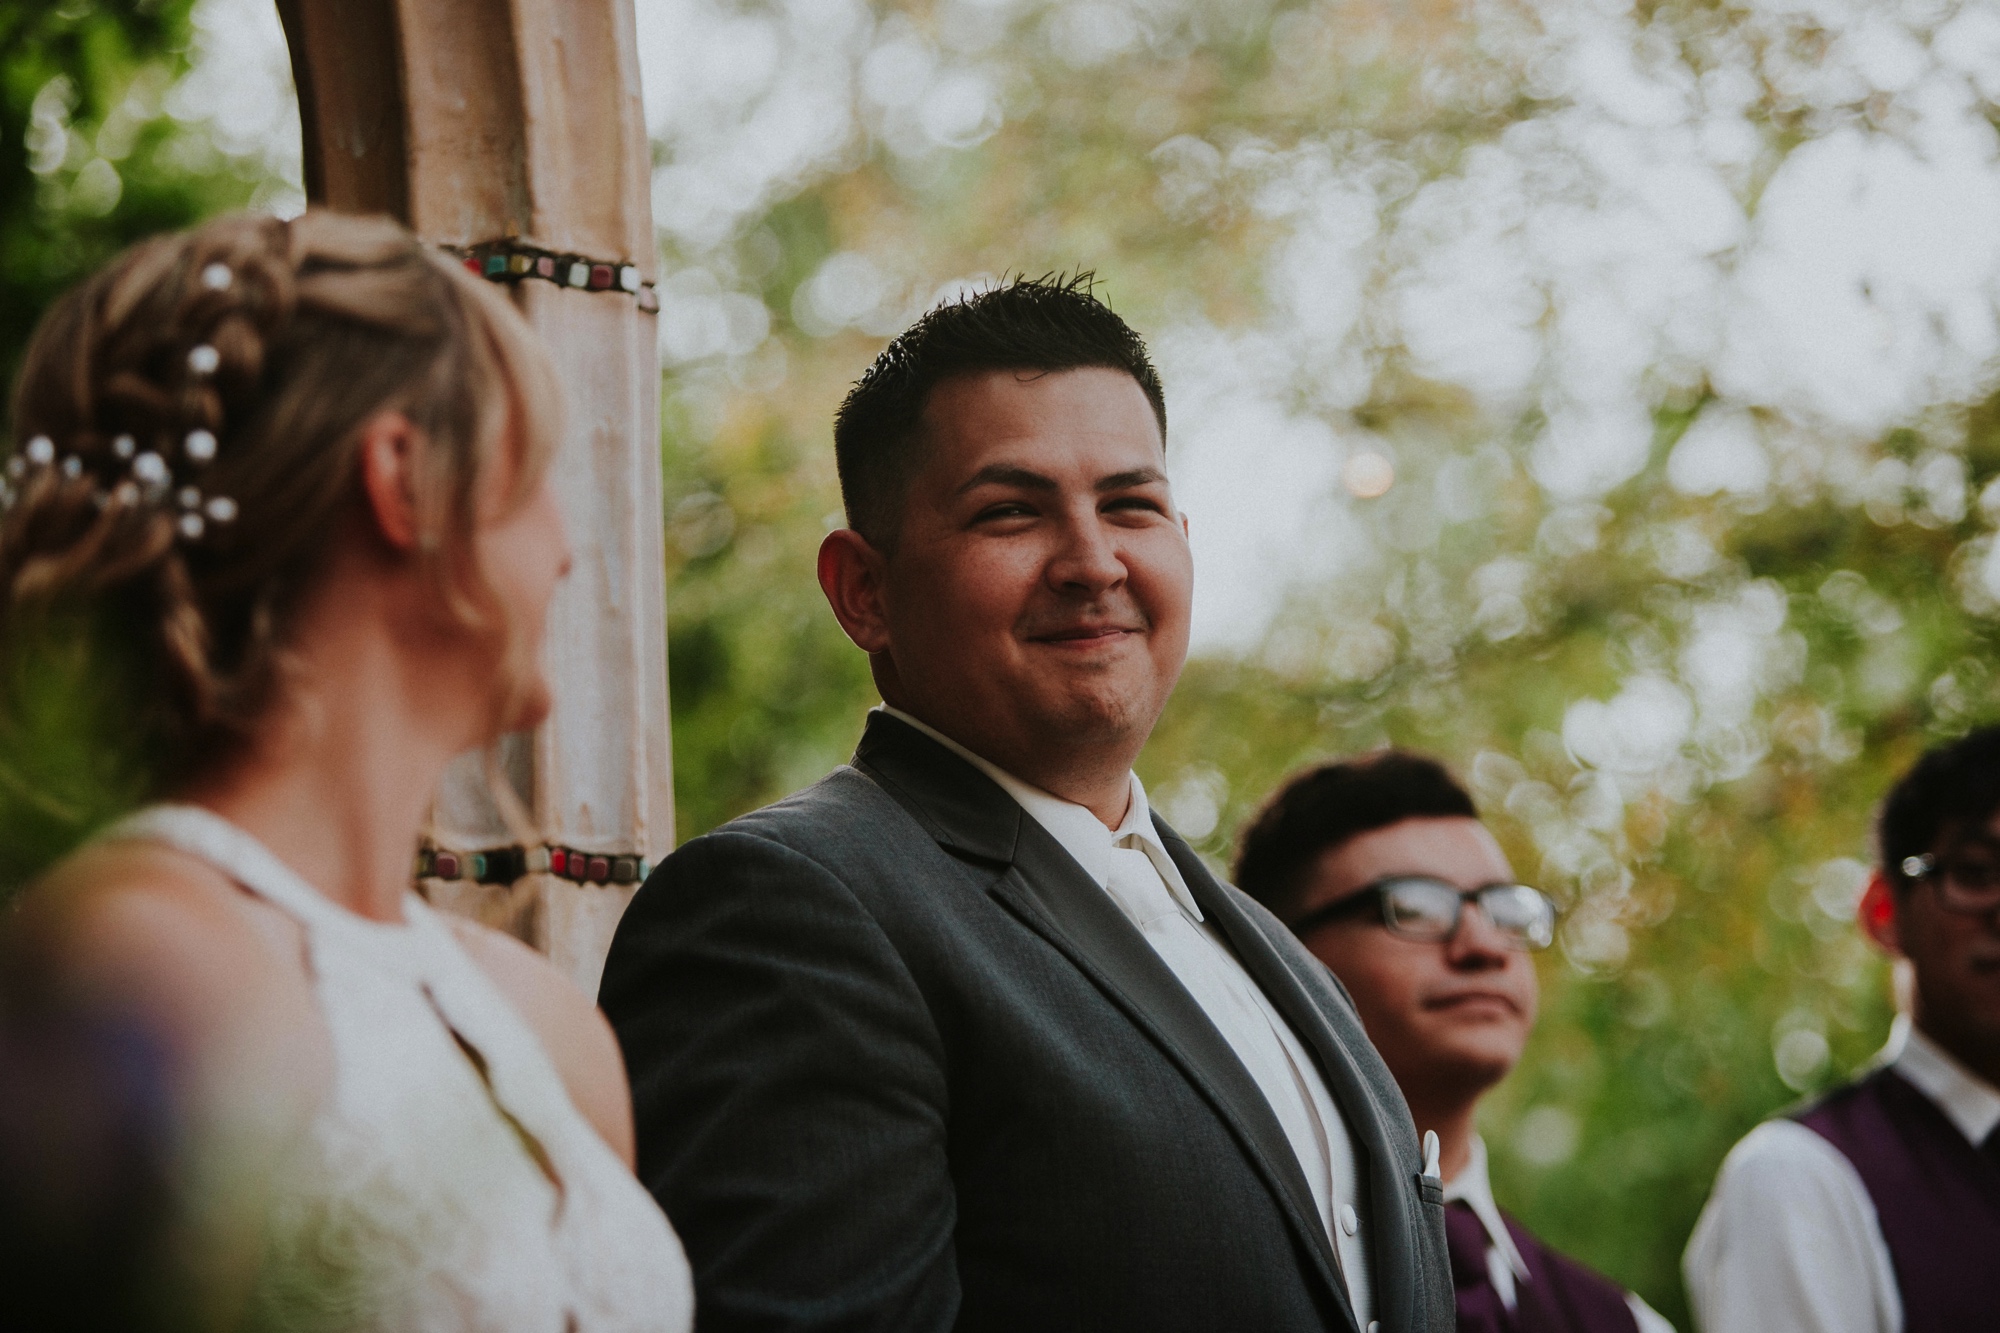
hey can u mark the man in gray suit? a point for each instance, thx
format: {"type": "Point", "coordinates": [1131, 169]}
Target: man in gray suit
{"type": "Point", "coordinates": [964, 1037]}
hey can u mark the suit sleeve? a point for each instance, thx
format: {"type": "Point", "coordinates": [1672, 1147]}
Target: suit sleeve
{"type": "Point", "coordinates": [789, 1092]}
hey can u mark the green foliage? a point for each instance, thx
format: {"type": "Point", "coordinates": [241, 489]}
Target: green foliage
{"type": "Point", "coordinates": [89, 160]}
{"type": "Point", "coordinates": [68, 764]}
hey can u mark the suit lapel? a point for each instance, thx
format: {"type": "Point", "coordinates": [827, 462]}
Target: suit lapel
{"type": "Point", "coordinates": [1305, 1001]}
{"type": "Point", "coordinates": [1052, 895]}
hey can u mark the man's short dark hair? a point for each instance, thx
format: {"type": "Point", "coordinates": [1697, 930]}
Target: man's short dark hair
{"type": "Point", "coordinates": [1326, 807]}
{"type": "Point", "coordinates": [1954, 789]}
{"type": "Point", "coordinates": [1050, 323]}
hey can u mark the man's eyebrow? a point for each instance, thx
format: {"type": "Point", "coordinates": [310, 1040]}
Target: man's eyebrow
{"type": "Point", "coordinates": [1013, 474]}
{"type": "Point", "coordinates": [1007, 474]}
{"type": "Point", "coordinates": [1138, 476]}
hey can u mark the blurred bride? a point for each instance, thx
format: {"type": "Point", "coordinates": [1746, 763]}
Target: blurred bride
{"type": "Point", "coordinates": [292, 481]}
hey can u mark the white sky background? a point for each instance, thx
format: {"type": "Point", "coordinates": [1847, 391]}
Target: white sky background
{"type": "Point", "coordinates": [1594, 258]}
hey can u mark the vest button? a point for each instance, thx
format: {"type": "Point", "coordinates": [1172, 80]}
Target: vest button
{"type": "Point", "coordinates": [1349, 1222]}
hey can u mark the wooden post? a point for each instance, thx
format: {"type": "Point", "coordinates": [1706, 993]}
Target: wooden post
{"type": "Point", "coordinates": [483, 121]}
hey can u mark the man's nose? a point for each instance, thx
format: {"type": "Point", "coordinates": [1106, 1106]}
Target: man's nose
{"type": "Point", "coordinates": [1088, 559]}
{"type": "Point", "coordinates": [1478, 944]}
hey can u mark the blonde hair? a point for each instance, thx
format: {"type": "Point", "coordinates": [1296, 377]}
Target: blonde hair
{"type": "Point", "coordinates": [317, 325]}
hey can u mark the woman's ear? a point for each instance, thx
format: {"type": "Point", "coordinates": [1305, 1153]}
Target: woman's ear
{"type": "Point", "coordinates": [1877, 914]}
{"type": "Point", "coordinates": [388, 464]}
{"type": "Point", "coordinates": [851, 574]}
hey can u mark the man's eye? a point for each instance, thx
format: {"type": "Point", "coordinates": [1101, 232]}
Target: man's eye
{"type": "Point", "coordinates": [1011, 509]}
{"type": "Point", "coordinates": [1975, 874]}
{"type": "Point", "coordinates": [1137, 502]}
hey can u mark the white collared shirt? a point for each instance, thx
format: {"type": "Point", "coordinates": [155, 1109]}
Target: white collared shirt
{"type": "Point", "coordinates": [1505, 1267]}
{"type": "Point", "coordinates": [1131, 864]}
{"type": "Point", "coordinates": [1789, 1241]}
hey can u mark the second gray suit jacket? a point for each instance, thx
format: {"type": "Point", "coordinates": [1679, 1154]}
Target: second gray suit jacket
{"type": "Point", "coordinates": [900, 1064]}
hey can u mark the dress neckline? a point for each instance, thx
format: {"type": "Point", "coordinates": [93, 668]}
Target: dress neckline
{"type": "Point", "coordinates": [236, 852]}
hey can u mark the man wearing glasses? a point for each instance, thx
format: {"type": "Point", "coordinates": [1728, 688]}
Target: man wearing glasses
{"type": "Point", "coordinates": [1383, 870]}
{"type": "Point", "coordinates": [1877, 1208]}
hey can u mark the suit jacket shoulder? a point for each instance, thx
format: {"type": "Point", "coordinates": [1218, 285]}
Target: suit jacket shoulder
{"type": "Point", "coordinates": [899, 1063]}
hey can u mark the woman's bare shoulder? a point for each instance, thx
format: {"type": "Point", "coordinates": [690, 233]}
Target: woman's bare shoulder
{"type": "Point", "coordinates": [572, 1030]}
{"type": "Point", "coordinates": [219, 976]}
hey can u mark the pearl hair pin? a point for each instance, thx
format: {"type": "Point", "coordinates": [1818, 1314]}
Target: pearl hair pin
{"type": "Point", "coordinates": [150, 468]}
{"type": "Point", "coordinates": [217, 277]}
{"type": "Point", "coordinates": [148, 479]}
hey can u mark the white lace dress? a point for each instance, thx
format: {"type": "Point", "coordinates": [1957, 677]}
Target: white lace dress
{"type": "Point", "coordinates": [448, 1182]}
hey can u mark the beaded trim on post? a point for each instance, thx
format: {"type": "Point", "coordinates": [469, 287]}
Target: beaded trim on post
{"type": "Point", "coordinates": [511, 261]}
{"type": "Point", "coordinates": [505, 865]}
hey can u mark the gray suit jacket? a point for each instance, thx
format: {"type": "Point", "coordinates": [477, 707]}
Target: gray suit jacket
{"type": "Point", "coordinates": [900, 1064]}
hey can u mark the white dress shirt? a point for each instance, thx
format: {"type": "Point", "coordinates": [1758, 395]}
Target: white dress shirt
{"type": "Point", "coordinates": [1505, 1267]}
{"type": "Point", "coordinates": [1789, 1241]}
{"type": "Point", "coordinates": [1132, 866]}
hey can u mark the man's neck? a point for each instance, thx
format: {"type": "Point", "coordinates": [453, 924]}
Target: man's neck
{"type": "Point", "coordinates": [1455, 1128]}
{"type": "Point", "coordinates": [1102, 786]}
{"type": "Point", "coordinates": [1979, 1058]}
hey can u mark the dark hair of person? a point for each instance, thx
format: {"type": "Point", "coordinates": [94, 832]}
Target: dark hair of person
{"type": "Point", "coordinates": [1953, 789]}
{"type": "Point", "coordinates": [1327, 806]}
{"type": "Point", "coordinates": [1051, 323]}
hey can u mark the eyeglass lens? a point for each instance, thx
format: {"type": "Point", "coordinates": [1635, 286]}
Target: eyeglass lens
{"type": "Point", "coordinates": [1429, 910]}
{"type": "Point", "coordinates": [1969, 883]}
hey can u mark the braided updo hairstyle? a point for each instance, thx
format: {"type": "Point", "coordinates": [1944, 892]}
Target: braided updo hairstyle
{"type": "Point", "coordinates": [317, 325]}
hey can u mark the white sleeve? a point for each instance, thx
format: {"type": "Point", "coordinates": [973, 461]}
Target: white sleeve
{"type": "Point", "coordinates": [1645, 1316]}
{"type": "Point", "coordinates": [1789, 1243]}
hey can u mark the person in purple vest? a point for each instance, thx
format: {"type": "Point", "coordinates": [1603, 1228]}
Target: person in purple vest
{"type": "Point", "coordinates": [1383, 870]}
{"type": "Point", "coordinates": [1876, 1209]}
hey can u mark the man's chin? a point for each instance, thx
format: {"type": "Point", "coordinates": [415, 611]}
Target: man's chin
{"type": "Point", "coordinates": [1477, 1058]}
{"type": "Point", "coordinates": [1094, 715]}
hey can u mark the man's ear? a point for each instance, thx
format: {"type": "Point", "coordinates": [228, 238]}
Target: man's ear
{"type": "Point", "coordinates": [852, 574]}
{"type": "Point", "coordinates": [1877, 914]}
{"type": "Point", "coordinates": [388, 463]}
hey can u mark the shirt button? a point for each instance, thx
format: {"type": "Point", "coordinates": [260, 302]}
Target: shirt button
{"type": "Point", "coordinates": [1348, 1221]}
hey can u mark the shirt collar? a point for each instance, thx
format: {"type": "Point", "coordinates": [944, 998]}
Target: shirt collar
{"type": "Point", "coordinates": [1472, 1187]}
{"type": "Point", "coordinates": [1081, 833]}
{"type": "Point", "coordinates": [1967, 1100]}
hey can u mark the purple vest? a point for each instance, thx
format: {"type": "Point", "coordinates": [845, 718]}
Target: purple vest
{"type": "Point", "coordinates": [1560, 1295]}
{"type": "Point", "coordinates": [1936, 1196]}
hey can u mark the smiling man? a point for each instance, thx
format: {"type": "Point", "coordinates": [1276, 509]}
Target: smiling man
{"type": "Point", "coordinates": [964, 1036]}
{"type": "Point", "coordinates": [1383, 869]}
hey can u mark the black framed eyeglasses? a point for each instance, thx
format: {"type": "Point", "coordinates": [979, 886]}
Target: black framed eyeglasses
{"type": "Point", "coordinates": [1963, 883]}
{"type": "Point", "coordinates": [1417, 907]}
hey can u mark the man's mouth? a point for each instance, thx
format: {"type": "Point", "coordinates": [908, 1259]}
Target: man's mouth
{"type": "Point", "coordinates": [1475, 1001]}
{"type": "Point", "coordinates": [1084, 635]}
